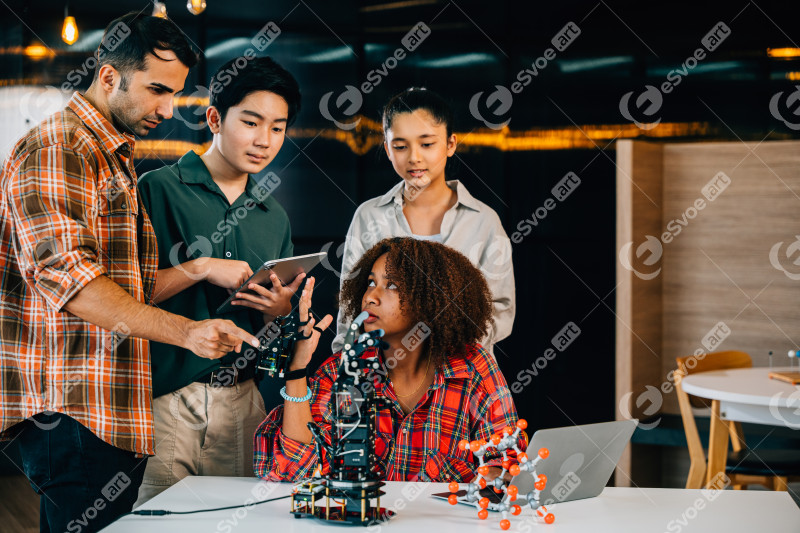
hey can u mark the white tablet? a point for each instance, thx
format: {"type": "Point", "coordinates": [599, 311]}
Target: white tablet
{"type": "Point", "coordinates": [286, 269]}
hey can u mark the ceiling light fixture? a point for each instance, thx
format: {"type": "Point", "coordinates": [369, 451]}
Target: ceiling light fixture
{"type": "Point", "coordinates": [783, 53]}
{"type": "Point", "coordinates": [159, 9]}
{"type": "Point", "coordinates": [69, 32]}
{"type": "Point", "coordinates": [196, 7]}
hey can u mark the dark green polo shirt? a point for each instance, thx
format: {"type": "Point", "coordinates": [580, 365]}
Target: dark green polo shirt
{"type": "Point", "coordinates": [192, 219]}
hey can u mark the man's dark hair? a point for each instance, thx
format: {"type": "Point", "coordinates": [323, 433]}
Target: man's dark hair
{"type": "Point", "coordinates": [128, 39]}
{"type": "Point", "coordinates": [241, 76]}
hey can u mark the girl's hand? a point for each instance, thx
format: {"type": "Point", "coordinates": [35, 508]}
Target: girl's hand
{"type": "Point", "coordinates": [304, 349]}
{"type": "Point", "coordinates": [494, 471]}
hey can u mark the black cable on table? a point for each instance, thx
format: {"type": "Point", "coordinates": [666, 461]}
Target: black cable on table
{"type": "Point", "coordinates": [162, 512]}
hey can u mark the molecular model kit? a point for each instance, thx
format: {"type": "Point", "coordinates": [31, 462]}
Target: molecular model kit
{"type": "Point", "coordinates": [502, 443]}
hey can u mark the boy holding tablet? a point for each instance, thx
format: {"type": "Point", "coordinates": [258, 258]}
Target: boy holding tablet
{"type": "Point", "coordinates": [215, 222]}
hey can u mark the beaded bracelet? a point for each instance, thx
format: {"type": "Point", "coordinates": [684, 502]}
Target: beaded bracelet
{"type": "Point", "coordinates": [295, 399]}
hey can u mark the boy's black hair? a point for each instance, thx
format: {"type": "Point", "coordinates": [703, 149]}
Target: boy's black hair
{"type": "Point", "coordinates": [128, 39]}
{"type": "Point", "coordinates": [415, 98]}
{"type": "Point", "coordinates": [241, 76]}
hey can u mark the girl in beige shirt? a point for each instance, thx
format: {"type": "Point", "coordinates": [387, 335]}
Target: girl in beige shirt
{"type": "Point", "coordinates": [418, 139]}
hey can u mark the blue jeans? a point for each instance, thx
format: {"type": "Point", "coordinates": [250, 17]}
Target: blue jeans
{"type": "Point", "coordinates": [84, 482]}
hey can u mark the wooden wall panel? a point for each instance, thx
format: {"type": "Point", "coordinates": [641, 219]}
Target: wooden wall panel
{"type": "Point", "coordinates": [638, 327]}
{"type": "Point", "coordinates": [718, 268]}
{"type": "Point", "coordinates": [639, 201]}
{"type": "Point", "coordinates": [729, 269]}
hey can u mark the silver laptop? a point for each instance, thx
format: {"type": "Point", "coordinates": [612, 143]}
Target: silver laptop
{"type": "Point", "coordinates": [581, 461]}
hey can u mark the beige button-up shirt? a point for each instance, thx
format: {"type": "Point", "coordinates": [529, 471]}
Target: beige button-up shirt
{"type": "Point", "coordinates": [470, 226]}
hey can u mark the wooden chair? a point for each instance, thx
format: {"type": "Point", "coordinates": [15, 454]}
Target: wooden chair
{"type": "Point", "coordinates": [771, 468]}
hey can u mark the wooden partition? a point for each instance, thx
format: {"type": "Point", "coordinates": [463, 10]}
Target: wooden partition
{"type": "Point", "coordinates": [708, 241]}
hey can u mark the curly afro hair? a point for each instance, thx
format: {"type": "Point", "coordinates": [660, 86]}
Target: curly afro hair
{"type": "Point", "coordinates": [437, 285]}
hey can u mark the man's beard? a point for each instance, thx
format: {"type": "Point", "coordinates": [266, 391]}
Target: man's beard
{"type": "Point", "coordinates": [121, 114]}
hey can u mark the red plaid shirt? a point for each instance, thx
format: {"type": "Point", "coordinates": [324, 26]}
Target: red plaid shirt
{"type": "Point", "coordinates": [468, 399]}
{"type": "Point", "coordinates": [69, 212]}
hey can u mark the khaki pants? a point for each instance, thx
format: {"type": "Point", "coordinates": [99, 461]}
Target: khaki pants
{"type": "Point", "coordinates": [202, 430]}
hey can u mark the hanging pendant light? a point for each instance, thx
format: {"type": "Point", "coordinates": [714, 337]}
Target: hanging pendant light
{"type": "Point", "coordinates": [159, 9]}
{"type": "Point", "coordinates": [196, 7]}
{"type": "Point", "coordinates": [69, 31]}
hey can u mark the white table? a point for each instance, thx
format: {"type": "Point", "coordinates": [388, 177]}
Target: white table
{"type": "Point", "coordinates": [616, 509]}
{"type": "Point", "coordinates": [742, 395]}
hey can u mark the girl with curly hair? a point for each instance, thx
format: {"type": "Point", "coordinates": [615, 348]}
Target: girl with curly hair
{"type": "Point", "coordinates": [428, 204]}
{"type": "Point", "coordinates": [436, 385]}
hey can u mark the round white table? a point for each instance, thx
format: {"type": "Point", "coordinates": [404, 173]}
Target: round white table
{"type": "Point", "coordinates": [743, 395]}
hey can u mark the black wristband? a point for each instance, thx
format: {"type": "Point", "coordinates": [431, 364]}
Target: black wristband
{"type": "Point", "coordinates": [295, 374]}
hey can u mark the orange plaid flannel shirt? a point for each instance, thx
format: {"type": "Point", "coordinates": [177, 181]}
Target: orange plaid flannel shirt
{"type": "Point", "coordinates": [69, 212]}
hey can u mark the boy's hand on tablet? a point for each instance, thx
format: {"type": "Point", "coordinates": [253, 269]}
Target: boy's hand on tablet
{"type": "Point", "coordinates": [272, 302]}
{"type": "Point", "coordinates": [225, 273]}
{"type": "Point", "coordinates": [305, 348]}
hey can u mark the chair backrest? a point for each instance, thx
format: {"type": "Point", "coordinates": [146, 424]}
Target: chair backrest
{"type": "Point", "coordinates": [711, 361]}
{"type": "Point", "coordinates": [714, 361]}
{"type": "Point", "coordinates": [690, 365]}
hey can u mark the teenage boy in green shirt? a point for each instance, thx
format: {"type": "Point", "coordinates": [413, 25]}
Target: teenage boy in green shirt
{"type": "Point", "coordinates": [215, 223]}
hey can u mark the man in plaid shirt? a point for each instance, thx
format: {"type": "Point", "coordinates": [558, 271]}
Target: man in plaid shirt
{"type": "Point", "coordinates": [77, 271]}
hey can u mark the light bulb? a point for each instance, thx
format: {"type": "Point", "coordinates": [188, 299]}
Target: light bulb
{"type": "Point", "coordinates": [69, 33]}
{"type": "Point", "coordinates": [159, 9]}
{"type": "Point", "coordinates": [196, 7]}
{"type": "Point", "coordinates": [36, 51]}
